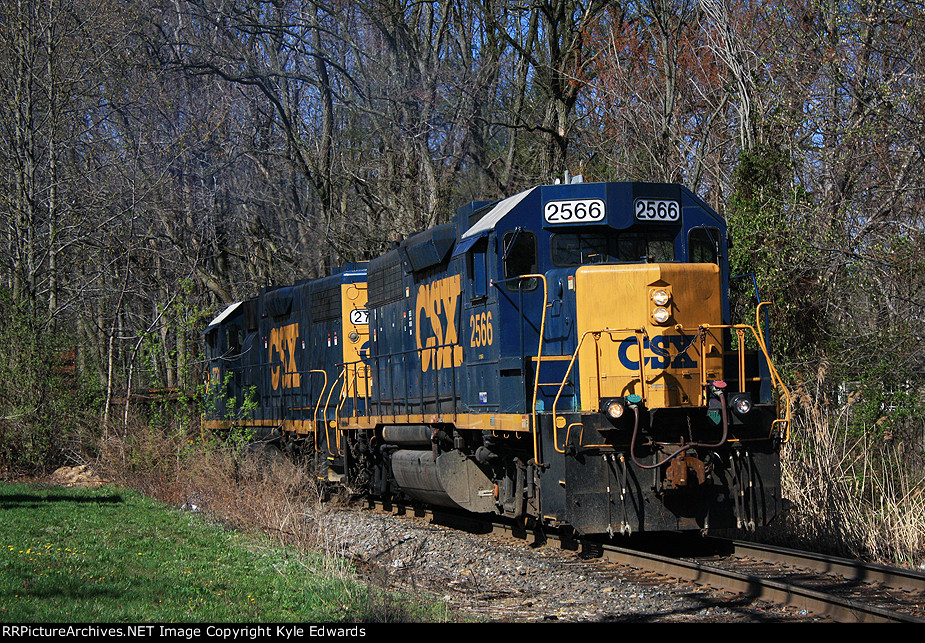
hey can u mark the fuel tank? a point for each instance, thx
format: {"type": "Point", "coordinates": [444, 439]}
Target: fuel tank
{"type": "Point", "coordinates": [448, 480]}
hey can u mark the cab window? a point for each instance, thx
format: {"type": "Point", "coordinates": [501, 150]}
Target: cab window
{"type": "Point", "coordinates": [519, 257]}
{"type": "Point", "coordinates": [702, 244]}
{"type": "Point", "coordinates": [651, 246]}
{"type": "Point", "coordinates": [576, 249]}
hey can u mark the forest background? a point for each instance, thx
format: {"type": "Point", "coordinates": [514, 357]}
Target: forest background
{"type": "Point", "coordinates": [164, 158]}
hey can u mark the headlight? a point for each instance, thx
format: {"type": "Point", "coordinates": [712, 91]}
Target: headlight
{"type": "Point", "coordinates": [613, 408]}
{"type": "Point", "coordinates": [661, 315]}
{"type": "Point", "coordinates": [660, 297]}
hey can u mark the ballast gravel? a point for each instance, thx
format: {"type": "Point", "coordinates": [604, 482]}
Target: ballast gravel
{"type": "Point", "coordinates": [502, 579]}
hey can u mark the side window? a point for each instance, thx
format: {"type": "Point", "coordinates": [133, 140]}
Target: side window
{"type": "Point", "coordinates": [519, 257]}
{"type": "Point", "coordinates": [234, 337]}
{"type": "Point", "coordinates": [702, 244]}
{"type": "Point", "coordinates": [478, 269]}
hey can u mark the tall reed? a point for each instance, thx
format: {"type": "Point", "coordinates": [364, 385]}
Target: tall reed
{"type": "Point", "coordinates": [852, 494]}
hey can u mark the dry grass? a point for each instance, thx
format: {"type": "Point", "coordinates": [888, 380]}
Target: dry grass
{"type": "Point", "coordinates": [851, 496]}
{"type": "Point", "coordinates": [248, 489]}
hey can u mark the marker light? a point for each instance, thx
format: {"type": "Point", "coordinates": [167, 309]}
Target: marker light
{"type": "Point", "coordinates": [660, 297]}
{"type": "Point", "coordinates": [661, 315]}
{"type": "Point", "coordinates": [740, 403]}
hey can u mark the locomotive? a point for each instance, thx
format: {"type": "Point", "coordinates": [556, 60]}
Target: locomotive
{"type": "Point", "coordinates": [563, 357]}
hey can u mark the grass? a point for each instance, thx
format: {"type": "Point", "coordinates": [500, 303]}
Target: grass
{"type": "Point", "coordinates": [111, 555]}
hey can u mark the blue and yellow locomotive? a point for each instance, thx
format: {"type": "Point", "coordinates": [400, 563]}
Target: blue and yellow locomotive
{"type": "Point", "coordinates": [563, 356]}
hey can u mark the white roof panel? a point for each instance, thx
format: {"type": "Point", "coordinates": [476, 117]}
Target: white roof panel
{"type": "Point", "coordinates": [223, 315]}
{"type": "Point", "coordinates": [490, 220]}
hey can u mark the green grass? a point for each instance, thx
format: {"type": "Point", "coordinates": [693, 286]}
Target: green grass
{"type": "Point", "coordinates": [111, 555]}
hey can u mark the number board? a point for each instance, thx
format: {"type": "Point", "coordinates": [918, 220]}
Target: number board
{"type": "Point", "coordinates": [359, 316]}
{"type": "Point", "coordinates": [657, 210]}
{"type": "Point", "coordinates": [574, 211]}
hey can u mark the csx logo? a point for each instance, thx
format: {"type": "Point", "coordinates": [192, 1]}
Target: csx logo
{"type": "Point", "coordinates": [435, 324]}
{"type": "Point", "coordinates": [282, 356]}
{"type": "Point", "coordinates": [657, 353]}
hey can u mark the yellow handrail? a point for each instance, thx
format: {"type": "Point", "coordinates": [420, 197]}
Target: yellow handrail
{"type": "Point", "coordinates": [581, 437]}
{"type": "Point", "coordinates": [740, 331]}
{"type": "Point", "coordinates": [318, 404]}
{"type": "Point", "coordinates": [775, 376]}
{"type": "Point", "coordinates": [555, 402]}
{"type": "Point", "coordinates": [327, 437]}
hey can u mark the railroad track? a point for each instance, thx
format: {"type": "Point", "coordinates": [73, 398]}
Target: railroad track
{"type": "Point", "coordinates": [840, 589]}
{"type": "Point", "coordinates": [844, 590]}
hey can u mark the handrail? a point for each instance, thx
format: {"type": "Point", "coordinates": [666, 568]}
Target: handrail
{"type": "Point", "coordinates": [352, 385]}
{"type": "Point", "coordinates": [327, 437]}
{"type": "Point", "coordinates": [776, 379]}
{"type": "Point", "coordinates": [555, 402]}
{"type": "Point", "coordinates": [774, 374]}
{"type": "Point", "coordinates": [581, 435]}
{"type": "Point", "coordinates": [343, 397]}
{"type": "Point", "coordinates": [318, 403]}
{"type": "Point", "coordinates": [536, 375]}
{"type": "Point", "coordinates": [350, 389]}
{"type": "Point", "coordinates": [640, 333]}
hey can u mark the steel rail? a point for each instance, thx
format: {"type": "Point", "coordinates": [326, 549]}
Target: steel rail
{"type": "Point", "coordinates": [815, 601]}
{"type": "Point", "coordinates": [851, 570]}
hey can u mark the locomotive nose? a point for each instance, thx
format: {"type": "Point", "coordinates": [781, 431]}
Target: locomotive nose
{"type": "Point", "coordinates": [653, 344]}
